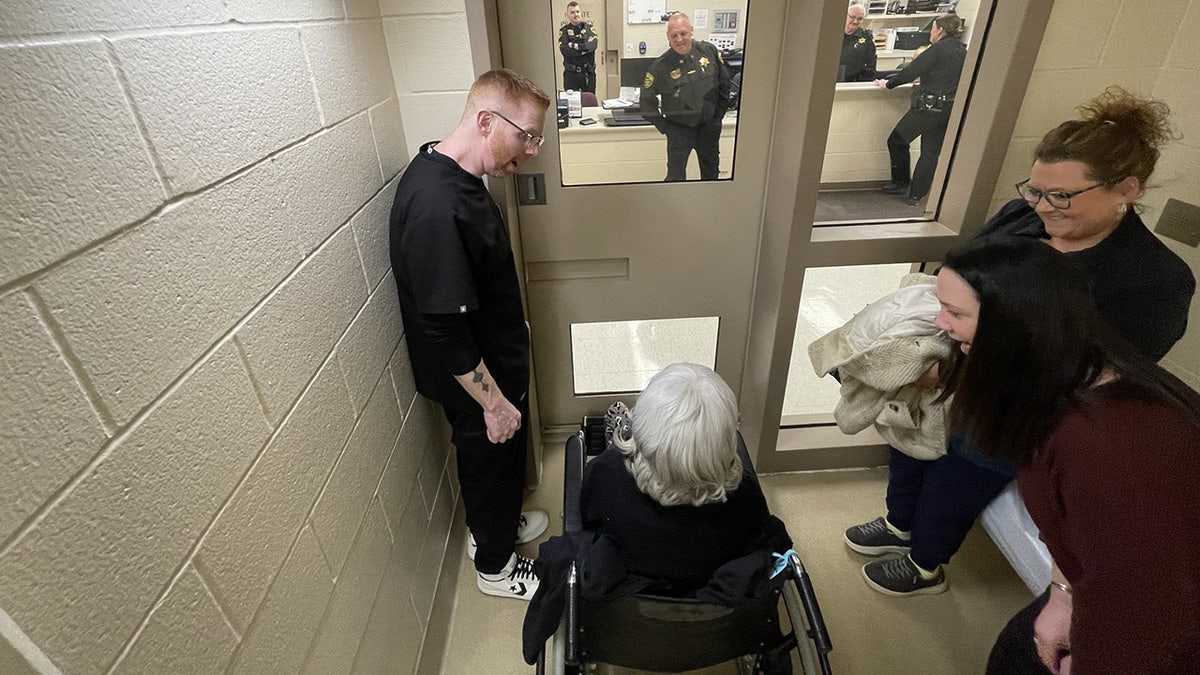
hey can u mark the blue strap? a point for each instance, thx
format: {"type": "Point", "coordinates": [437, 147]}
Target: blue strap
{"type": "Point", "coordinates": [783, 560]}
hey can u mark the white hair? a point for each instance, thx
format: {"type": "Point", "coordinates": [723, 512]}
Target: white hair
{"type": "Point", "coordinates": [684, 444]}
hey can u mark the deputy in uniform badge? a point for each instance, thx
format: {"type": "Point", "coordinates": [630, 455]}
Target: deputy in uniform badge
{"type": "Point", "coordinates": [577, 41]}
{"type": "Point", "coordinates": [858, 48]}
{"type": "Point", "coordinates": [685, 95]}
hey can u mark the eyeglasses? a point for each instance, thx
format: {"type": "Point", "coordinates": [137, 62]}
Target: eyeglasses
{"type": "Point", "coordinates": [856, 20]}
{"type": "Point", "coordinates": [531, 141]}
{"type": "Point", "coordinates": [1056, 198]}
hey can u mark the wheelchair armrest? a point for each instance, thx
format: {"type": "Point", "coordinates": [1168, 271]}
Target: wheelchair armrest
{"type": "Point", "coordinates": [812, 611]}
{"type": "Point", "coordinates": [573, 483]}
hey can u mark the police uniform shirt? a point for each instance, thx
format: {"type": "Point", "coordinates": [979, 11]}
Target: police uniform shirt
{"type": "Point", "coordinates": [451, 254]}
{"type": "Point", "coordinates": [938, 67]}
{"type": "Point", "coordinates": [577, 42]}
{"type": "Point", "coordinates": [858, 56]}
{"type": "Point", "coordinates": [694, 87]}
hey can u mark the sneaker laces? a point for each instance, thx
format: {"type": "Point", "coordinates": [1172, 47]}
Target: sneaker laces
{"type": "Point", "coordinates": [523, 569]}
{"type": "Point", "coordinates": [900, 568]}
{"type": "Point", "coordinates": [876, 526]}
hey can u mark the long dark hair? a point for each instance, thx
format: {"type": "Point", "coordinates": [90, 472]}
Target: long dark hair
{"type": "Point", "coordinates": [1039, 346]}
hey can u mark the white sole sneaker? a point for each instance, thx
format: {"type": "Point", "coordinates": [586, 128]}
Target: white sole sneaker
{"type": "Point", "coordinates": [531, 526]}
{"type": "Point", "coordinates": [517, 580]}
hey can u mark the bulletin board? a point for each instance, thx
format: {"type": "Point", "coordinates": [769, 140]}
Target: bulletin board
{"type": "Point", "coordinates": [647, 11]}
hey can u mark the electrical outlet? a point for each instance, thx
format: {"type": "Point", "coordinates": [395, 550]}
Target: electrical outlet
{"type": "Point", "coordinates": [1180, 221]}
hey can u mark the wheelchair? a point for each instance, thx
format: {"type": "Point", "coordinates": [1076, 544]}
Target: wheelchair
{"type": "Point", "coordinates": [670, 634]}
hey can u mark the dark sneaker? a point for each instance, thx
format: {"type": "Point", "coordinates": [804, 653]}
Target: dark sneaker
{"type": "Point", "coordinates": [876, 538]}
{"type": "Point", "coordinates": [893, 188]}
{"type": "Point", "coordinates": [900, 576]}
{"type": "Point", "coordinates": [517, 579]}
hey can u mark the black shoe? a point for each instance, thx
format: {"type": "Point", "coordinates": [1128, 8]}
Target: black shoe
{"type": "Point", "coordinates": [900, 576]}
{"type": "Point", "coordinates": [875, 538]}
{"type": "Point", "coordinates": [913, 201]}
{"type": "Point", "coordinates": [893, 188]}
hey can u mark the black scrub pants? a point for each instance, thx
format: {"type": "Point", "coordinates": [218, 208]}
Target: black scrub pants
{"type": "Point", "coordinates": [492, 479]}
{"type": "Point", "coordinates": [585, 81]}
{"type": "Point", "coordinates": [930, 126]}
{"type": "Point", "coordinates": [705, 139]}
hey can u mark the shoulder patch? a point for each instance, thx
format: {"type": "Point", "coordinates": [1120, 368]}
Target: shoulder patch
{"type": "Point", "coordinates": [648, 82]}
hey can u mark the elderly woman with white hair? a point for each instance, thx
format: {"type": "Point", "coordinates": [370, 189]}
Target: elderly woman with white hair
{"type": "Point", "coordinates": [672, 493]}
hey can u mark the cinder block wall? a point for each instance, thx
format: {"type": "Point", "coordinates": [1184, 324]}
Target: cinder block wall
{"type": "Point", "coordinates": [213, 458]}
{"type": "Point", "coordinates": [1090, 44]}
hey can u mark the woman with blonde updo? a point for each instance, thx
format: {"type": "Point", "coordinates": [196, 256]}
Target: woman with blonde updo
{"type": "Point", "coordinates": [1081, 198]}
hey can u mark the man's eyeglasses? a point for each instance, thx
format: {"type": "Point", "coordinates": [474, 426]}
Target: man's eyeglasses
{"type": "Point", "coordinates": [531, 141]}
{"type": "Point", "coordinates": [1056, 198]}
{"type": "Point", "coordinates": [855, 20]}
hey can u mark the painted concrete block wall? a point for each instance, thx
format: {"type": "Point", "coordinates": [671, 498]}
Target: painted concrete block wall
{"type": "Point", "coordinates": [214, 457]}
{"type": "Point", "coordinates": [431, 64]}
{"type": "Point", "coordinates": [1090, 44]}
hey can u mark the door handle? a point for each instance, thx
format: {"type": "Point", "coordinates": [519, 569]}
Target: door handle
{"type": "Point", "coordinates": [531, 189]}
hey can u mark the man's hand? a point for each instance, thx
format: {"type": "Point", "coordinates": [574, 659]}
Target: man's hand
{"type": "Point", "coordinates": [882, 84]}
{"type": "Point", "coordinates": [503, 422]}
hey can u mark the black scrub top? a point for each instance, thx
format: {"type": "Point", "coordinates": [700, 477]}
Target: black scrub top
{"type": "Point", "coordinates": [451, 254]}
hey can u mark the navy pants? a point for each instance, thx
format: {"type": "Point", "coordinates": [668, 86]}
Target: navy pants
{"type": "Point", "coordinates": [492, 480]}
{"type": "Point", "coordinates": [705, 139]}
{"type": "Point", "coordinates": [938, 501]}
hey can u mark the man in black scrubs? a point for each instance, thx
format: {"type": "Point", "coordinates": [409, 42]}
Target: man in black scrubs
{"type": "Point", "coordinates": [685, 96]}
{"type": "Point", "coordinates": [463, 320]}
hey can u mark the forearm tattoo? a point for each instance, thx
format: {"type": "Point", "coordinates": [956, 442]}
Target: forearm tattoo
{"type": "Point", "coordinates": [477, 378]}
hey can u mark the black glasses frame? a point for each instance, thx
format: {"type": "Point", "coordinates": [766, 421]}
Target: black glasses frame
{"type": "Point", "coordinates": [531, 140]}
{"type": "Point", "coordinates": [1056, 198]}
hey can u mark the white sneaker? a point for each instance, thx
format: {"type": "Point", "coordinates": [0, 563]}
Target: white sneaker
{"type": "Point", "coordinates": [517, 580]}
{"type": "Point", "coordinates": [531, 526]}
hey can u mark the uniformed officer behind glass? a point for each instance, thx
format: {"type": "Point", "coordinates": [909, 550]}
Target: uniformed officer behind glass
{"type": "Point", "coordinates": [858, 48]}
{"type": "Point", "coordinates": [685, 96]}
{"type": "Point", "coordinates": [577, 41]}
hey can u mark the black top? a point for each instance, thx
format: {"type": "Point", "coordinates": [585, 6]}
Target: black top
{"type": "Point", "coordinates": [858, 57]}
{"type": "Point", "coordinates": [1140, 286]}
{"type": "Point", "coordinates": [451, 256]}
{"type": "Point", "coordinates": [577, 42]}
{"type": "Point", "coordinates": [938, 67]}
{"type": "Point", "coordinates": [694, 88]}
{"type": "Point", "coordinates": [682, 544]}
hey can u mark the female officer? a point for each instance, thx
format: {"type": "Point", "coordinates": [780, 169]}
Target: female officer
{"type": "Point", "coordinates": [1109, 449]}
{"type": "Point", "coordinates": [938, 67]}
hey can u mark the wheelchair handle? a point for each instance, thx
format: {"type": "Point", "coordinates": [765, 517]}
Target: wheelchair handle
{"type": "Point", "coordinates": [809, 599]}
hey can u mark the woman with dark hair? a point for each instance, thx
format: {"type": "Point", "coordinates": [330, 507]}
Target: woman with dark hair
{"type": "Point", "coordinates": [1108, 446]}
{"type": "Point", "coordinates": [1079, 199]}
{"type": "Point", "coordinates": [939, 68]}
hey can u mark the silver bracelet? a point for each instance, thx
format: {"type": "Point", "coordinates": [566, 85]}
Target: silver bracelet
{"type": "Point", "coordinates": [1061, 586]}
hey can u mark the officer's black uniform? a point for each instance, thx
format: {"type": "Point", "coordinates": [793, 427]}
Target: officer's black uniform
{"type": "Point", "coordinates": [939, 68]}
{"type": "Point", "coordinates": [858, 57]}
{"type": "Point", "coordinates": [694, 89]}
{"type": "Point", "coordinates": [577, 42]}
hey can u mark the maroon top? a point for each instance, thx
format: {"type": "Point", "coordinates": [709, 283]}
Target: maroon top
{"type": "Point", "coordinates": [1115, 491]}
